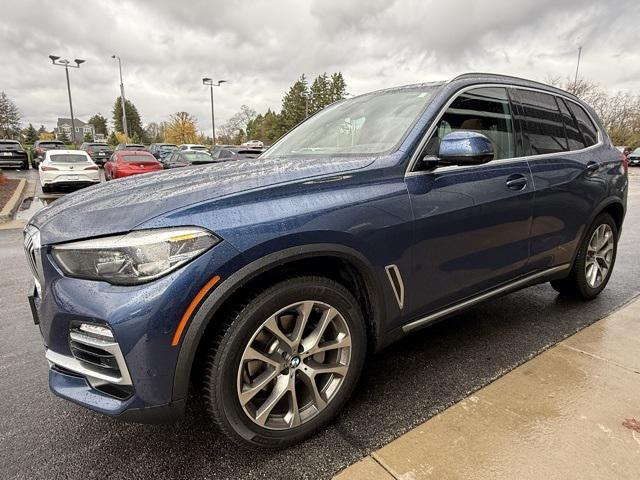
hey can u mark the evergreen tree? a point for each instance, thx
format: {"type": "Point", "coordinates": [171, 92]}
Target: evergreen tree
{"type": "Point", "coordinates": [338, 87]}
{"type": "Point", "coordinates": [134, 124]}
{"type": "Point", "coordinates": [30, 135]}
{"type": "Point", "coordinates": [113, 141]}
{"type": "Point", "coordinates": [100, 124]}
{"type": "Point", "coordinates": [321, 94]}
{"type": "Point", "coordinates": [9, 117]}
{"type": "Point", "coordinates": [294, 104]}
{"type": "Point", "coordinates": [64, 138]}
{"type": "Point", "coordinates": [88, 137]}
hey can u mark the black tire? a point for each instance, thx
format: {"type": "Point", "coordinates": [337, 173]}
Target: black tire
{"type": "Point", "coordinates": [226, 352]}
{"type": "Point", "coordinates": [46, 189]}
{"type": "Point", "coordinates": [576, 284]}
{"type": "Point", "coordinates": [25, 165]}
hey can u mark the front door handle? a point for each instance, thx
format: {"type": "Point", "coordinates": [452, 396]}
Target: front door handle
{"type": "Point", "coordinates": [593, 167]}
{"type": "Point", "coordinates": [516, 182]}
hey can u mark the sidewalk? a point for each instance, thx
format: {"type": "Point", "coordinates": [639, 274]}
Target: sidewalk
{"type": "Point", "coordinates": [568, 413]}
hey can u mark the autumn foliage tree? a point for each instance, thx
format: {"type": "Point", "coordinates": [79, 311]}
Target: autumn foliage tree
{"type": "Point", "coordinates": [182, 128]}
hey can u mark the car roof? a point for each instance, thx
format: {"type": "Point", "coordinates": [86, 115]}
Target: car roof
{"type": "Point", "coordinates": [480, 77]}
{"type": "Point", "coordinates": [63, 152]}
{"type": "Point", "coordinates": [142, 153]}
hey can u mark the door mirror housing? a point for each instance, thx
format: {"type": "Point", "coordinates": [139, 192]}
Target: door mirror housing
{"type": "Point", "coordinates": [465, 148]}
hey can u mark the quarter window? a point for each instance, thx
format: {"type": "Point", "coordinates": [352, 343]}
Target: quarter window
{"type": "Point", "coordinates": [588, 129]}
{"type": "Point", "coordinates": [544, 125]}
{"type": "Point", "coordinates": [484, 110]}
{"type": "Point", "coordinates": [576, 142]}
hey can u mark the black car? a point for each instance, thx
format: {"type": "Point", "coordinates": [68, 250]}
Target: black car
{"type": "Point", "coordinates": [99, 152]}
{"type": "Point", "coordinates": [13, 155]}
{"type": "Point", "coordinates": [131, 146]}
{"type": "Point", "coordinates": [161, 150]}
{"type": "Point", "coordinates": [222, 153]}
{"type": "Point", "coordinates": [184, 158]}
{"type": "Point", "coordinates": [41, 146]}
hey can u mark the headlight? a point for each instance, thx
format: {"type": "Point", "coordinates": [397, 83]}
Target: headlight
{"type": "Point", "coordinates": [134, 258]}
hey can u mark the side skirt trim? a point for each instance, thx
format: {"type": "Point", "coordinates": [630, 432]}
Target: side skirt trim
{"type": "Point", "coordinates": [521, 282]}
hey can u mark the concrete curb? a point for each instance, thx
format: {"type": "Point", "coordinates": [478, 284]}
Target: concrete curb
{"type": "Point", "coordinates": [14, 202]}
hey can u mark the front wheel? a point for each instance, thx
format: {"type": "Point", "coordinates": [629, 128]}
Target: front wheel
{"type": "Point", "coordinates": [286, 363]}
{"type": "Point", "coordinates": [595, 260]}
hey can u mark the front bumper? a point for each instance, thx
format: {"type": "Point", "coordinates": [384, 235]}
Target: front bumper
{"type": "Point", "coordinates": [634, 161]}
{"type": "Point", "coordinates": [143, 319]}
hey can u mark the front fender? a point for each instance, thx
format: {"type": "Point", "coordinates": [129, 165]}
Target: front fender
{"type": "Point", "coordinates": [207, 309]}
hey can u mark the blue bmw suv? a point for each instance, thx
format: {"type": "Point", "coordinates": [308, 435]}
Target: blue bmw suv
{"type": "Point", "coordinates": [266, 281]}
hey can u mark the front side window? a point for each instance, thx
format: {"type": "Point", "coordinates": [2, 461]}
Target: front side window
{"type": "Point", "coordinates": [483, 110]}
{"type": "Point", "coordinates": [542, 122]}
{"type": "Point", "coordinates": [366, 125]}
{"type": "Point", "coordinates": [587, 128]}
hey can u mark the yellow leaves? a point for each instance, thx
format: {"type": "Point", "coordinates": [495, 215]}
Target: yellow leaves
{"type": "Point", "coordinates": [182, 128]}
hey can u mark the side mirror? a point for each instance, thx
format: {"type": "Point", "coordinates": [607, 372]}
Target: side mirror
{"type": "Point", "coordinates": [465, 148]}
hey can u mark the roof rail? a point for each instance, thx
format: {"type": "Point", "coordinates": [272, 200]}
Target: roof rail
{"type": "Point", "coordinates": [512, 77]}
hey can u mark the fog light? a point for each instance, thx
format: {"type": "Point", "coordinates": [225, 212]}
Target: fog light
{"type": "Point", "coordinates": [96, 330]}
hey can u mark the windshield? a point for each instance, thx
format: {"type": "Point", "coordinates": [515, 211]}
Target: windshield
{"type": "Point", "coordinates": [168, 148]}
{"type": "Point", "coordinates": [636, 151]}
{"type": "Point", "coordinates": [68, 158]}
{"type": "Point", "coordinates": [198, 157]}
{"type": "Point", "coordinates": [366, 125]}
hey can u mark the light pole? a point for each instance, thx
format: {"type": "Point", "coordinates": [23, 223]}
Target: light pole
{"type": "Point", "coordinates": [66, 64]}
{"type": "Point", "coordinates": [122, 101]}
{"type": "Point", "coordinates": [209, 82]}
{"type": "Point", "coordinates": [306, 96]}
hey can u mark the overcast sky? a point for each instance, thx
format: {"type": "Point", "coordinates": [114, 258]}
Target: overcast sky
{"type": "Point", "coordinates": [261, 47]}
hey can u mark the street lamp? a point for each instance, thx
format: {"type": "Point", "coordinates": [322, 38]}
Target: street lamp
{"type": "Point", "coordinates": [122, 101]}
{"type": "Point", "coordinates": [209, 82]}
{"type": "Point", "coordinates": [306, 96]}
{"type": "Point", "coordinates": [66, 64]}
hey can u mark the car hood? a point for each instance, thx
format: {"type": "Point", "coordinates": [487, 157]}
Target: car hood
{"type": "Point", "coordinates": [121, 205]}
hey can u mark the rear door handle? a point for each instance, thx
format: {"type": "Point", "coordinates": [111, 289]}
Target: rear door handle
{"type": "Point", "coordinates": [593, 167]}
{"type": "Point", "coordinates": [516, 182]}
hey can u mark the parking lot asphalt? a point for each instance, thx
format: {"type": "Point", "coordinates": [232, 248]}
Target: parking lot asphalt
{"type": "Point", "coordinates": [42, 436]}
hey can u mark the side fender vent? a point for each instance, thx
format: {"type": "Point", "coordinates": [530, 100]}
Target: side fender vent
{"type": "Point", "coordinates": [395, 279]}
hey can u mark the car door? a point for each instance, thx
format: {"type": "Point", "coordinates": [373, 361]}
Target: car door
{"type": "Point", "coordinates": [471, 223]}
{"type": "Point", "coordinates": [568, 174]}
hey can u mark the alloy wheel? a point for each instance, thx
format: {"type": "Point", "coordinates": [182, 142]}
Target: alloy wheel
{"type": "Point", "coordinates": [294, 365]}
{"type": "Point", "coordinates": [599, 255]}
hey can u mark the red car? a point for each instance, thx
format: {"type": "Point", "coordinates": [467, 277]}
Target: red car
{"type": "Point", "coordinates": [124, 163]}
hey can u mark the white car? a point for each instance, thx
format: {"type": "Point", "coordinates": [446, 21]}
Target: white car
{"type": "Point", "coordinates": [253, 144]}
{"type": "Point", "coordinates": [193, 146]}
{"type": "Point", "coordinates": [66, 168]}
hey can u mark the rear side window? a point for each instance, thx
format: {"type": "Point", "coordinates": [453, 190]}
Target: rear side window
{"type": "Point", "coordinates": [484, 110]}
{"type": "Point", "coordinates": [587, 128]}
{"type": "Point", "coordinates": [576, 142]}
{"type": "Point", "coordinates": [544, 125]}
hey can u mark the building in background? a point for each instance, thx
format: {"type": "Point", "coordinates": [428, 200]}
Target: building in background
{"type": "Point", "coordinates": [82, 128]}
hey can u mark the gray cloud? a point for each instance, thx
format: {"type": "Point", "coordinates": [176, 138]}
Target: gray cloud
{"type": "Point", "coordinates": [262, 46]}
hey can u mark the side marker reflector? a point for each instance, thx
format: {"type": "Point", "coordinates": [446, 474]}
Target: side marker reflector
{"type": "Point", "coordinates": [192, 306]}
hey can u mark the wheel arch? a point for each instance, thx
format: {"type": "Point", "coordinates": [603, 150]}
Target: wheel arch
{"type": "Point", "coordinates": [354, 271]}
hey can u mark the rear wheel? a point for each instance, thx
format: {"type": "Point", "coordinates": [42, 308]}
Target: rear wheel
{"type": "Point", "coordinates": [286, 363]}
{"type": "Point", "coordinates": [594, 262]}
